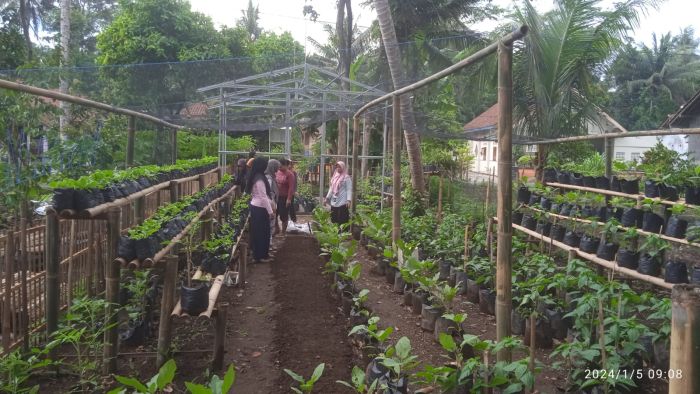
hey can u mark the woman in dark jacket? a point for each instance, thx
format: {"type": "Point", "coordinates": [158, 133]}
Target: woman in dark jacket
{"type": "Point", "coordinates": [260, 210]}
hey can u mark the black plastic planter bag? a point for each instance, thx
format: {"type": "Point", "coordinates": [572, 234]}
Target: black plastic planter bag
{"type": "Point", "coordinates": [629, 186]}
{"type": "Point", "coordinates": [572, 239]}
{"type": "Point", "coordinates": [616, 213]}
{"type": "Point", "coordinates": [550, 175]}
{"type": "Point", "coordinates": [589, 181]}
{"type": "Point", "coordinates": [606, 251]}
{"type": "Point", "coordinates": [517, 217]}
{"type": "Point", "coordinates": [652, 222]}
{"type": "Point", "coordinates": [668, 192]}
{"type": "Point", "coordinates": [602, 182]}
{"type": "Point", "coordinates": [692, 195]}
{"type": "Point", "coordinates": [615, 184]}
{"type": "Point", "coordinates": [563, 177]}
{"type": "Point", "coordinates": [487, 301]}
{"type": "Point", "coordinates": [543, 333]}
{"type": "Point", "coordinates": [126, 248]}
{"type": "Point", "coordinates": [543, 228]}
{"type": "Point", "coordinates": [627, 259]}
{"type": "Point", "coordinates": [62, 199]}
{"type": "Point", "coordinates": [589, 244]}
{"type": "Point", "coordinates": [557, 232]}
{"type": "Point", "coordinates": [84, 199]}
{"type": "Point", "coordinates": [557, 323]}
{"type": "Point", "coordinates": [195, 299]}
{"type": "Point", "coordinates": [565, 210]}
{"type": "Point", "coordinates": [632, 217]}
{"type": "Point", "coordinates": [147, 247]}
{"type": "Point", "coordinates": [445, 266]}
{"type": "Point", "coordinates": [588, 212]}
{"type": "Point", "coordinates": [214, 265]}
{"type": "Point", "coordinates": [676, 272]}
{"type": "Point", "coordinates": [676, 227]}
{"type": "Point", "coordinates": [135, 333]}
{"type": "Point", "coordinates": [144, 182]}
{"type": "Point", "coordinates": [529, 222]}
{"type": "Point", "coordinates": [695, 277]}
{"type": "Point", "coordinates": [534, 199]}
{"type": "Point", "coordinates": [649, 265]}
{"type": "Point", "coordinates": [545, 203]}
{"type": "Point", "coordinates": [651, 189]}
{"type": "Point", "coordinates": [108, 194]}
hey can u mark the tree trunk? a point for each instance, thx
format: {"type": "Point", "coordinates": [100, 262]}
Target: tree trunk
{"type": "Point", "coordinates": [64, 119]}
{"type": "Point", "coordinates": [343, 31]}
{"type": "Point", "coordinates": [342, 138]}
{"type": "Point", "coordinates": [391, 46]}
{"type": "Point", "coordinates": [25, 21]}
{"type": "Point", "coordinates": [366, 133]}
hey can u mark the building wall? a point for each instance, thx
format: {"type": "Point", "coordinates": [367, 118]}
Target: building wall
{"type": "Point", "coordinates": [485, 156]}
{"type": "Point", "coordinates": [632, 148]}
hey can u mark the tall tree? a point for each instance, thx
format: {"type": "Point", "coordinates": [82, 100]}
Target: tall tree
{"type": "Point", "coordinates": [398, 76]}
{"type": "Point", "coordinates": [31, 13]}
{"type": "Point", "coordinates": [64, 119]}
{"type": "Point", "coordinates": [344, 30]}
{"type": "Point", "coordinates": [555, 73]}
{"type": "Point", "coordinates": [249, 20]}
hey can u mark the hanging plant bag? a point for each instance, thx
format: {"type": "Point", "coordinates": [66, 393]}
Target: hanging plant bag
{"type": "Point", "coordinates": [563, 177]}
{"type": "Point", "coordinates": [652, 222]}
{"type": "Point", "coordinates": [576, 179]}
{"type": "Point", "coordinates": [606, 251]}
{"type": "Point", "coordinates": [545, 203]}
{"type": "Point", "coordinates": [676, 272]}
{"type": "Point", "coordinates": [668, 192]}
{"type": "Point", "coordinates": [572, 239]}
{"type": "Point", "coordinates": [589, 181]}
{"type": "Point", "coordinates": [589, 244]}
{"type": "Point", "coordinates": [615, 184]}
{"type": "Point", "coordinates": [557, 232]}
{"type": "Point", "coordinates": [676, 227]}
{"type": "Point", "coordinates": [194, 300]}
{"type": "Point", "coordinates": [602, 182]}
{"type": "Point", "coordinates": [550, 175]}
{"type": "Point", "coordinates": [649, 265]}
{"type": "Point", "coordinates": [529, 222]}
{"type": "Point", "coordinates": [629, 186]}
{"type": "Point", "coordinates": [534, 199]}
{"type": "Point", "coordinates": [692, 195]}
{"type": "Point", "coordinates": [632, 217]}
{"type": "Point", "coordinates": [126, 248]}
{"type": "Point", "coordinates": [651, 189]}
{"type": "Point", "coordinates": [695, 277]}
{"type": "Point", "coordinates": [62, 199]}
{"type": "Point", "coordinates": [543, 228]}
{"type": "Point", "coordinates": [627, 259]}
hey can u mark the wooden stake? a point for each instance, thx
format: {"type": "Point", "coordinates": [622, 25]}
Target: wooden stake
{"type": "Point", "coordinates": [166, 307]}
{"type": "Point", "coordinates": [466, 245]}
{"type": "Point", "coordinates": [505, 200]}
{"type": "Point", "coordinates": [396, 168]}
{"type": "Point", "coordinates": [685, 340]}
{"type": "Point", "coordinates": [219, 338]}
{"type": "Point", "coordinates": [71, 251]}
{"type": "Point", "coordinates": [601, 335]}
{"type": "Point", "coordinates": [207, 225]}
{"type": "Point", "coordinates": [130, 140]}
{"type": "Point", "coordinates": [111, 336]}
{"type": "Point", "coordinates": [100, 263]}
{"type": "Point", "coordinates": [174, 195]}
{"type": "Point", "coordinates": [173, 152]}
{"type": "Point", "coordinates": [52, 299]}
{"type": "Point", "coordinates": [243, 263]}
{"type": "Point", "coordinates": [9, 281]}
{"type": "Point", "coordinates": [439, 207]}
{"type": "Point", "coordinates": [489, 238]}
{"type": "Point", "coordinates": [91, 261]}
{"type": "Point", "coordinates": [24, 266]}
{"type": "Point", "coordinates": [140, 209]}
{"type": "Point", "coordinates": [533, 338]}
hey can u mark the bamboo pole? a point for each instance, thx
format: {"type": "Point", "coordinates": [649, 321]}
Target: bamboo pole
{"type": "Point", "coordinates": [640, 133]}
{"type": "Point", "coordinates": [476, 57]}
{"type": "Point", "coordinates": [173, 152]}
{"type": "Point", "coordinates": [533, 339]}
{"type": "Point", "coordinates": [439, 207]}
{"type": "Point", "coordinates": [139, 210]}
{"type": "Point", "coordinates": [130, 142]}
{"type": "Point", "coordinates": [396, 167]}
{"type": "Point", "coordinates": [174, 195]}
{"type": "Point", "coordinates": [100, 263]}
{"type": "Point", "coordinates": [207, 224]}
{"type": "Point", "coordinates": [52, 251]}
{"type": "Point", "coordinates": [112, 292]}
{"type": "Point", "coordinates": [90, 259]}
{"type": "Point", "coordinates": [166, 306]}
{"type": "Point", "coordinates": [355, 165]}
{"type": "Point", "coordinates": [685, 340]}
{"type": "Point", "coordinates": [24, 266]}
{"type": "Point", "coordinates": [243, 264]}
{"type": "Point", "coordinates": [505, 200]}
{"type": "Point", "coordinates": [219, 338]}
{"type": "Point", "coordinates": [71, 250]}
{"type": "Point", "coordinates": [466, 244]}
{"type": "Point", "coordinates": [9, 281]}
{"type": "Point", "coordinates": [84, 102]}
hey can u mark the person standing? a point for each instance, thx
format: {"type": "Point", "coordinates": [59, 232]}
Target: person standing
{"type": "Point", "coordinates": [240, 174]}
{"type": "Point", "coordinates": [293, 206]}
{"type": "Point", "coordinates": [260, 210]}
{"type": "Point", "coordinates": [340, 194]}
{"type": "Point", "coordinates": [286, 183]}
{"type": "Point", "coordinates": [272, 167]}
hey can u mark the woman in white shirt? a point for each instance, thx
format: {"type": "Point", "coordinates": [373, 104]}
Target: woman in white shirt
{"type": "Point", "coordinates": [340, 194]}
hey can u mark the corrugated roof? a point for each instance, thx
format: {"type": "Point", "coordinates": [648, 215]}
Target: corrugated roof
{"type": "Point", "coordinates": [195, 110]}
{"type": "Point", "coordinates": [487, 120]}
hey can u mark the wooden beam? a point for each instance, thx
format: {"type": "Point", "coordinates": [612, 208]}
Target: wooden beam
{"type": "Point", "coordinates": [685, 340]}
{"type": "Point", "coordinates": [640, 133]}
{"type": "Point", "coordinates": [130, 141]}
{"type": "Point", "coordinates": [53, 259]}
{"type": "Point", "coordinates": [9, 282]}
{"type": "Point", "coordinates": [505, 198]}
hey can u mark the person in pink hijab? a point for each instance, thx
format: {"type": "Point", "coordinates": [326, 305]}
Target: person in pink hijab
{"type": "Point", "coordinates": [340, 194]}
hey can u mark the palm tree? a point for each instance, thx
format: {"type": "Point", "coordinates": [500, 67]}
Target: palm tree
{"type": "Point", "coordinates": [555, 70]}
{"type": "Point", "coordinates": [30, 14]}
{"type": "Point", "coordinates": [249, 20]}
{"type": "Point", "coordinates": [398, 77]}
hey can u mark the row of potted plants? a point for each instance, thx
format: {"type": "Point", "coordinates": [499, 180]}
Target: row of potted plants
{"type": "Point", "coordinates": [145, 240]}
{"type": "Point", "coordinates": [546, 292]}
{"type": "Point", "coordinates": [104, 186]}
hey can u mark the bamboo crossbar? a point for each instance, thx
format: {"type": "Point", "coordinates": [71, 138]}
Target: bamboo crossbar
{"type": "Point", "coordinates": [101, 209]}
{"type": "Point", "coordinates": [5, 84]}
{"type": "Point", "coordinates": [595, 259]}
{"type": "Point", "coordinates": [640, 231]}
{"type": "Point", "coordinates": [640, 133]}
{"type": "Point", "coordinates": [474, 58]}
{"type": "Point", "coordinates": [638, 197]}
{"type": "Point", "coordinates": [151, 262]}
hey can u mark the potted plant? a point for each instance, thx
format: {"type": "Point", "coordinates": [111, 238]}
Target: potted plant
{"type": "Point", "coordinates": [194, 295]}
{"type": "Point", "coordinates": [627, 255]}
{"type": "Point", "coordinates": [589, 240]}
{"type": "Point", "coordinates": [573, 236]}
{"type": "Point", "coordinates": [442, 297]}
{"type": "Point", "coordinates": [675, 226]}
{"type": "Point", "coordinates": [692, 189]}
{"type": "Point", "coordinates": [628, 181]}
{"type": "Point", "coordinates": [523, 193]}
{"type": "Point", "coordinates": [651, 221]}
{"type": "Point", "coordinates": [652, 254]}
{"type": "Point", "coordinates": [399, 361]}
{"type": "Point", "coordinates": [631, 216]}
{"type": "Point", "coordinates": [607, 247]}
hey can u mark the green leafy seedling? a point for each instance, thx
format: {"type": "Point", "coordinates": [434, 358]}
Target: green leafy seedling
{"type": "Point", "coordinates": [157, 383]}
{"type": "Point", "coordinates": [216, 384]}
{"type": "Point", "coordinates": [306, 386]}
{"type": "Point", "coordinates": [357, 382]}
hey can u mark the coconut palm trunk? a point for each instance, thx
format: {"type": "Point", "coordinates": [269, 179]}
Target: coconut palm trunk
{"type": "Point", "coordinates": [391, 46]}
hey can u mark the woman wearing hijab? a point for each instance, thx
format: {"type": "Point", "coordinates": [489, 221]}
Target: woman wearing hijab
{"type": "Point", "coordinates": [340, 194]}
{"type": "Point", "coordinates": [260, 210]}
{"type": "Point", "coordinates": [272, 167]}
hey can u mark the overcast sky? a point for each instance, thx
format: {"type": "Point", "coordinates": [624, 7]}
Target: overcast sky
{"type": "Point", "coordinates": [286, 15]}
